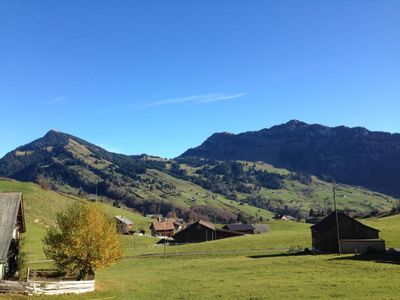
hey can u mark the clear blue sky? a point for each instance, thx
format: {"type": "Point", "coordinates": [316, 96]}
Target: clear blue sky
{"type": "Point", "coordinates": [161, 76]}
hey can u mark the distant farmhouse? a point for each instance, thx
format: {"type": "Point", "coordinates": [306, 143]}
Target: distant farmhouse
{"type": "Point", "coordinates": [288, 218]}
{"type": "Point", "coordinates": [202, 231]}
{"type": "Point", "coordinates": [354, 235]}
{"type": "Point", "coordinates": [124, 225]}
{"type": "Point", "coordinates": [12, 223]}
{"type": "Point", "coordinates": [164, 228]}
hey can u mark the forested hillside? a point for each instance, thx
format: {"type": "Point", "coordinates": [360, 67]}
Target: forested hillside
{"type": "Point", "coordinates": [354, 156]}
{"type": "Point", "coordinates": [221, 191]}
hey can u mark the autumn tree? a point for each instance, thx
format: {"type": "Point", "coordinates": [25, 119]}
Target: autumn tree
{"type": "Point", "coordinates": [85, 240]}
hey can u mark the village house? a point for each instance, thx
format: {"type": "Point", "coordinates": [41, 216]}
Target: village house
{"type": "Point", "coordinates": [12, 223]}
{"type": "Point", "coordinates": [178, 223]}
{"type": "Point", "coordinates": [164, 228]}
{"type": "Point", "coordinates": [124, 225]}
{"type": "Point", "coordinates": [354, 235]}
{"type": "Point", "coordinates": [202, 231]}
{"type": "Point", "coordinates": [288, 218]}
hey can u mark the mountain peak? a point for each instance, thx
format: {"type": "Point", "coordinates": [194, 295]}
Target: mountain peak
{"type": "Point", "coordinates": [53, 132]}
{"type": "Point", "coordinates": [295, 123]}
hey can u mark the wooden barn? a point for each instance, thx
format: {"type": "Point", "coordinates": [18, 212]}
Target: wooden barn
{"type": "Point", "coordinates": [124, 225]}
{"type": "Point", "coordinates": [202, 231]}
{"type": "Point", "coordinates": [243, 228]}
{"type": "Point", "coordinates": [354, 235]}
{"type": "Point", "coordinates": [164, 228]}
{"type": "Point", "coordinates": [12, 223]}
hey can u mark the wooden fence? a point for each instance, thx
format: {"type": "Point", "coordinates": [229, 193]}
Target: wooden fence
{"type": "Point", "coordinates": [14, 287]}
{"type": "Point", "coordinates": [47, 287]}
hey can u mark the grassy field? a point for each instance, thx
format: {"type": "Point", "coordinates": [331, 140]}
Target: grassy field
{"type": "Point", "coordinates": [263, 269]}
{"type": "Point", "coordinates": [248, 267]}
{"type": "Point", "coordinates": [318, 194]}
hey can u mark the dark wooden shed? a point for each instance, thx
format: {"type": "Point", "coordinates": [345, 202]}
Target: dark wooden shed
{"type": "Point", "coordinates": [244, 228]}
{"type": "Point", "coordinates": [325, 237]}
{"type": "Point", "coordinates": [202, 231]}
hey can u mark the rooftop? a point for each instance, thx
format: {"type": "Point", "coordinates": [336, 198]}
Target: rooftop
{"type": "Point", "coordinates": [163, 225]}
{"type": "Point", "coordinates": [124, 220]}
{"type": "Point", "coordinates": [330, 220]}
{"type": "Point", "coordinates": [239, 227]}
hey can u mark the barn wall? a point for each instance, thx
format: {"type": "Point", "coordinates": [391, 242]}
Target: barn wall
{"type": "Point", "coordinates": [326, 241]}
{"type": "Point", "coordinates": [222, 234]}
{"type": "Point", "coordinates": [350, 229]}
{"type": "Point", "coordinates": [195, 234]}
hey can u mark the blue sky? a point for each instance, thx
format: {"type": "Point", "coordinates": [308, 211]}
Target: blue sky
{"type": "Point", "coordinates": [161, 76]}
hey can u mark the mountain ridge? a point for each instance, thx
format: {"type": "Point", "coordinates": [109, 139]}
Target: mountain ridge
{"type": "Point", "coordinates": [212, 189]}
{"type": "Point", "coordinates": [351, 155]}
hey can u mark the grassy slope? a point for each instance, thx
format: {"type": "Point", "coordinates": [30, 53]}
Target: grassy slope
{"type": "Point", "coordinates": [296, 194]}
{"type": "Point", "coordinates": [262, 271]}
{"type": "Point", "coordinates": [390, 229]}
{"type": "Point", "coordinates": [182, 196]}
{"type": "Point", "coordinates": [41, 208]}
{"type": "Point", "coordinates": [315, 195]}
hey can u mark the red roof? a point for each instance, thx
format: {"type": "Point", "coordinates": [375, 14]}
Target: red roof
{"type": "Point", "coordinates": [163, 225]}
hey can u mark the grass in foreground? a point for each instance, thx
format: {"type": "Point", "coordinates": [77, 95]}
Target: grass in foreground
{"type": "Point", "coordinates": [264, 271]}
{"type": "Point", "coordinates": [261, 268]}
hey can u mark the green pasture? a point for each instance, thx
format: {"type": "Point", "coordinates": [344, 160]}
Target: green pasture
{"type": "Point", "coordinates": [248, 267]}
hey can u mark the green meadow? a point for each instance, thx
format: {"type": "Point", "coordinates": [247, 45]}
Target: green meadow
{"type": "Point", "coordinates": [248, 267]}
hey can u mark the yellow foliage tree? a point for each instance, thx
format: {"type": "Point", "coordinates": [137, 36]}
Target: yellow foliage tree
{"type": "Point", "coordinates": [85, 240]}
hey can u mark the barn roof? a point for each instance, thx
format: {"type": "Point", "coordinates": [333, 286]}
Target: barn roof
{"type": "Point", "coordinates": [163, 225]}
{"type": "Point", "coordinates": [206, 224]}
{"type": "Point", "coordinates": [239, 227]}
{"type": "Point", "coordinates": [124, 220]}
{"type": "Point", "coordinates": [10, 206]}
{"type": "Point", "coordinates": [330, 220]}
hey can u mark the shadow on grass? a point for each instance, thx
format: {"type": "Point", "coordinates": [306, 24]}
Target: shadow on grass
{"type": "Point", "coordinates": [284, 254]}
{"type": "Point", "coordinates": [385, 258]}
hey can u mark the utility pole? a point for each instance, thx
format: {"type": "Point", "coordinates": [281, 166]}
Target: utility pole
{"type": "Point", "coordinates": [337, 219]}
{"type": "Point", "coordinates": [134, 240]}
{"type": "Point", "coordinates": [165, 239]}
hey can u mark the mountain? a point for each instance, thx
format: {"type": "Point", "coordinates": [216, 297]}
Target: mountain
{"type": "Point", "coordinates": [69, 164]}
{"type": "Point", "coordinates": [354, 156]}
{"type": "Point", "coordinates": [221, 191]}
